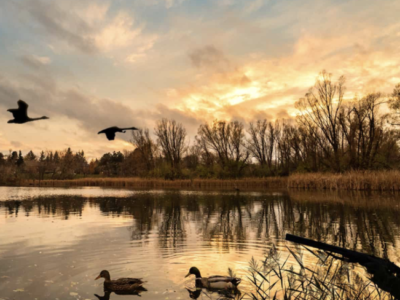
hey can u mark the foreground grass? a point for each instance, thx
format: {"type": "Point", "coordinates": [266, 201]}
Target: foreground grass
{"type": "Point", "coordinates": [356, 181]}
{"type": "Point", "coordinates": [328, 278]}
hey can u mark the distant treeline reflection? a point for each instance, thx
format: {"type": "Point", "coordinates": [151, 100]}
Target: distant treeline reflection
{"type": "Point", "coordinates": [370, 223]}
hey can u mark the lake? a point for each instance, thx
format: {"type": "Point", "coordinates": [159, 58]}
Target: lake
{"type": "Point", "coordinates": [55, 241]}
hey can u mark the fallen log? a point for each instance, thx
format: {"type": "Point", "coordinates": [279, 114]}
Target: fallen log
{"type": "Point", "coordinates": [384, 273]}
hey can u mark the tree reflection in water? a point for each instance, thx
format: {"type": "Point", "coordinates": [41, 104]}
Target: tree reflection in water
{"type": "Point", "coordinates": [358, 221]}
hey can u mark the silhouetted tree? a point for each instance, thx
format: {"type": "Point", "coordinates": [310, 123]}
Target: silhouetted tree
{"type": "Point", "coordinates": [319, 112]}
{"type": "Point", "coordinates": [145, 146]}
{"type": "Point", "coordinates": [394, 104]}
{"type": "Point", "coordinates": [171, 138]}
{"type": "Point", "coordinates": [226, 141]}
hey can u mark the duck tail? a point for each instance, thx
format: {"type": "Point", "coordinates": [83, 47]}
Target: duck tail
{"type": "Point", "coordinates": [236, 281]}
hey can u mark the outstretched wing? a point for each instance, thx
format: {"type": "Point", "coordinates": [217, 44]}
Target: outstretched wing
{"type": "Point", "coordinates": [129, 128]}
{"type": "Point", "coordinates": [15, 112]}
{"type": "Point", "coordinates": [21, 112]}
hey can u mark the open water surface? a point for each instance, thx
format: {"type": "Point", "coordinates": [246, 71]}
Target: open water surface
{"type": "Point", "coordinates": [55, 241]}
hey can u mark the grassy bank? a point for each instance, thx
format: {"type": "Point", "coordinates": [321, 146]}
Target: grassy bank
{"type": "Point", "coordinates": [241, 184]}
{"type": "Point", "coordinates": [355, 181]}
{"type": "Point", "coordinates": [350, 181]}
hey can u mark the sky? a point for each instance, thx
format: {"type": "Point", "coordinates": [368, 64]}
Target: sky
{"type": "Point", "coordinates": [88, 65]}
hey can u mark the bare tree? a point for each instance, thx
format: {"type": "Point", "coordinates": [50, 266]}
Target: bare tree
{"type": "Point", "coordinates": [363, 130]}
{"type": "Point", "coordinates": [226, 140]}
{"type": "Point", "coordinates": [145, 145]}
{"type": "Point", "coordinates": [261, 144]}
{"type": "Point", "coordinates": [319, 113]}
{"type": "Point", "coordinates": [394, 104]}
{"type": "Point", "coordinates": [171, 138]}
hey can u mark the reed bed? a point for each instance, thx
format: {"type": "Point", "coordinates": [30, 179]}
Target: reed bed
{"type": "Point", "coordinates": [328, 278]}
{"type": "Point", "coordinates": [141, 183]}
{"type": "Point", "coordinates": [356, 181]}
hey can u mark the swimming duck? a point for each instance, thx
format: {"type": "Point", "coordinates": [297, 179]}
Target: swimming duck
{"type": "Point", "coordinates": [121, 284]}
{"type": "Point", "coordinates": [214, 282]}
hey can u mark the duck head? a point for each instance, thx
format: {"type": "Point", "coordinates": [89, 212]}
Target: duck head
{"type": "Point", "coordinates": [104, 274]}
{"type": "Point", "coordinates": [194, 271]}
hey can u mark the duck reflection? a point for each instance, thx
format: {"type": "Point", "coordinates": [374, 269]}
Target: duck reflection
{"type": "Point", "coordinates": [221, 293]}
{"type": "Point", "coordinates": [107, 294]}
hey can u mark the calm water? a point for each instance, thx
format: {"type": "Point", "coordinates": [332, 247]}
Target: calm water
{"type": "Point", "coordinates": [54, 241]}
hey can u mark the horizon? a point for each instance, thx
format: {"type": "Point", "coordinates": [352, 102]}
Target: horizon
{"type": "Point", "coordinates": [97, 64]}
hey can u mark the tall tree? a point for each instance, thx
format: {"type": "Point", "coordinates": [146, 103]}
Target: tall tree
{"type": "Point", "coordinates": [145, 145]}
{"type": "Point", "coordinates": [261, 143]}
{"type": "Point", "coordinates": [394, 104]}
{"type": "Point", "coordinates": [171, 138]}
{"type": "Point", "coordinates": [227, 141]}
{"type": "Point", "coordinates": [319, 112]}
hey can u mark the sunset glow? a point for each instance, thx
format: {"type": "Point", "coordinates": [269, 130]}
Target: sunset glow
{"type": "Point", "coordinates": [94, 64]}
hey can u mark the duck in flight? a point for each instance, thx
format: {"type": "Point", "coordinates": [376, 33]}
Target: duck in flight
{"type": "Point", "coordinates": [111, 131]}
{"type": "Point", "coordinates": [21, 114]}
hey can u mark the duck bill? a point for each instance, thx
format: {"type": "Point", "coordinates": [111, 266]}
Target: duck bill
{"type": "Point", "coordinates": [188, 274]}
{"type": "Point", "coordinates": [97, 277]}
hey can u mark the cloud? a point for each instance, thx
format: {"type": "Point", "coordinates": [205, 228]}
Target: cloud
{"type": "Point", "coordinates": [91, 113]}
{"type": "Point", "coordinates": [87, 26]}
{"type": "Point", "coordinates": [62, 25]}
{"type": "Point", "coordinates": [254, 6]}
{"type": "Point", "coordinates": [171, 3]}
{"type": "Point", "coordinates": [16, 144]}
{"type": "Point", "coordinates": [120, 32]}
{"type": "Point", "coordinates": [233, 60]}
{"type": "Point", "coordinates": [35, 62]}
{"type": "Point", "coordinates": [210, 57]}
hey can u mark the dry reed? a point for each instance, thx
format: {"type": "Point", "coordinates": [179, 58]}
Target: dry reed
{"type": "Point", "coordinates": [327, 278]}
{"type": "Point", "coordinates": [358, 181]}
{"type": "Point", "coordinates": [241, 184]}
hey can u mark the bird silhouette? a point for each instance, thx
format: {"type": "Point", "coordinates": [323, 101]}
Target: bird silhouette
{"type": "Point", "coordinates": [21, 114]}
{"type": "Point", "coordinates": [111, 131]}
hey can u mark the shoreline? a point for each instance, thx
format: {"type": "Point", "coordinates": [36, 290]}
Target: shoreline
{"type": "Point", "coordinates": [350, 181]}
{"type": "Point", "coordinates": [142, 183]}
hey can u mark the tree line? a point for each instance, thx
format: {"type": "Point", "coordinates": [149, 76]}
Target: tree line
{"type": "Point", "coordinates": [330, 133]}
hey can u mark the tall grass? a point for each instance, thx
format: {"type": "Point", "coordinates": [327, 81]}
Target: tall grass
{"type": "Point", "coordinates": [330, 278]}
{"type": "Point", "coordinates": [360, 181]}
{"type": "Point", "coordinates": [240, 184]}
